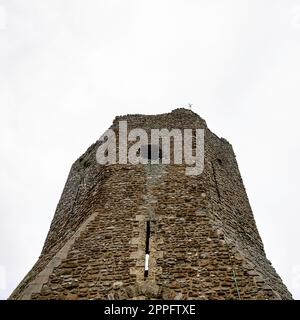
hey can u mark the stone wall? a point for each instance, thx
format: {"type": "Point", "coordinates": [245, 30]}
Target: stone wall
{"type": "Point", "coordinates": [204, 243]}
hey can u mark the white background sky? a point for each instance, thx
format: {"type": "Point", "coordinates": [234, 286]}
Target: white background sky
{"type": "Point", "coordinates": [68, 67]}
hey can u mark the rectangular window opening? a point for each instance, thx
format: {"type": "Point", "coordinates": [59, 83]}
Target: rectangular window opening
{"type": "Point", "coordinates": [147, 249]}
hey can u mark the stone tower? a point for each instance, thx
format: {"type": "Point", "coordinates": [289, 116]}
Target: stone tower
{"type": "Point", "coordinates": [199, 231]}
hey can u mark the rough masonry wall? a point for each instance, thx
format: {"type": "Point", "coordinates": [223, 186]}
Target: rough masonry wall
{"type": "Point", "coordinates": [204, 243]}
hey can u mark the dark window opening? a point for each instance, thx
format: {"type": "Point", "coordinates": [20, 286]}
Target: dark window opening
{"type": "Point", "coordinates": [151, 152]}
{"type": "Point", "coordinates": [147, 250]}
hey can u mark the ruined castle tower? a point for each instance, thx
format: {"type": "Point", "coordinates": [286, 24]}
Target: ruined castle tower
{"type": "Point", "coordinates": [199, 231]}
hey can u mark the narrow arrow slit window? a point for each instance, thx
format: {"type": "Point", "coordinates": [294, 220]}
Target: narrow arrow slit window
{"type": "Point", "coordinates": [146, 270]}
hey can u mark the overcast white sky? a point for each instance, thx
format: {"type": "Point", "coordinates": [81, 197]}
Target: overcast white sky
{"type": "Point", "coordinates": [68, 67]}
